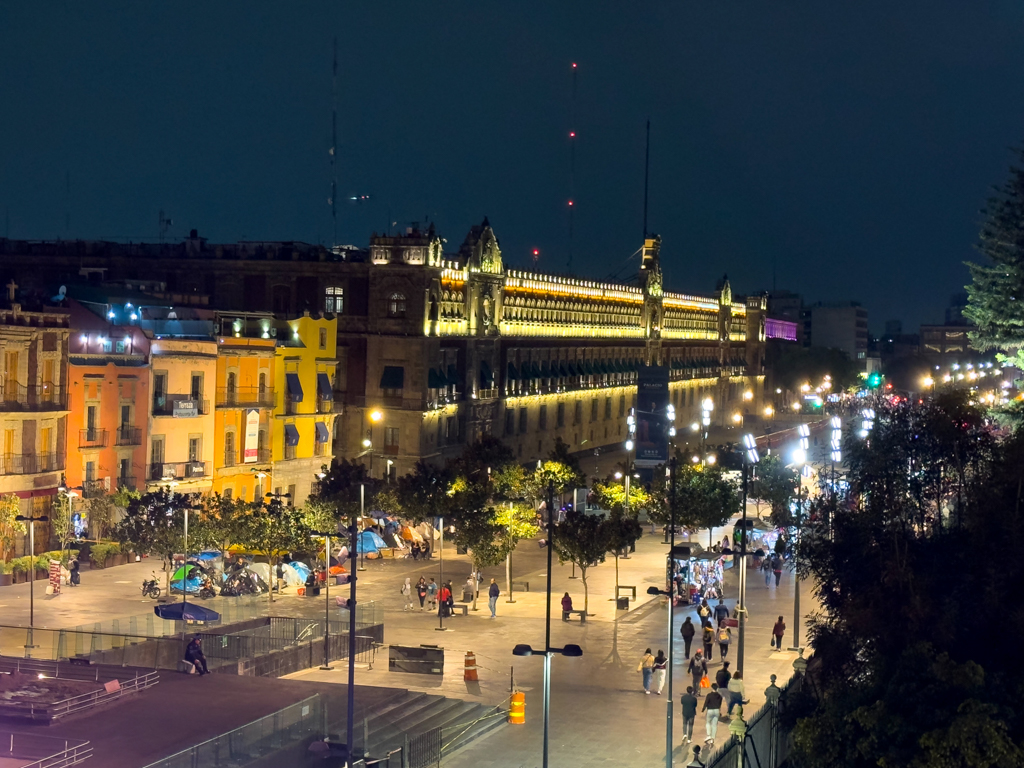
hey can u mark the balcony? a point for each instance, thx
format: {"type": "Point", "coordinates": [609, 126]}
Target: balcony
{"type": "Point", "coordinates": [230, 458]}
{"type": "Point", "coordinates": [180, 406]}
{"type": "Point", "coordinates": [92, 438]}
{"type": "Point", "coordinates": [263, 454]}
{"type": "Point", "coordinates": [127, 483]}
{"type": "Point", "coordinates": [327, 405]}
{"type": "Point", "coordinates": [31, 463]}
{"type": "Point", "coordinates": [180, 470]}
{"type": "Point", "coordinates": [291, 407]}
{"type": "Point", "coordinates": [38, 397]}
{"type": "Point", "coordinates": [245, 397]}
{"type": "Point", "coordinates": [129, 435]}
{"type": "Point", "coordinates": [92, 489]}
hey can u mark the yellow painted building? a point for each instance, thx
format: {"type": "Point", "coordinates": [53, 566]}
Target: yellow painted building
{"type": "Point", "coordinates": [243, 413]}
{"type": "Point", "coordinates": [304, 412]}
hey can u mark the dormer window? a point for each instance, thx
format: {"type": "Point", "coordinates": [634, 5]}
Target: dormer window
{"type": "Point", "coordinates": [381, 255]}
{"type": "Point", "coordinates": [396, 305]}
{"type": "Point", "coordinates": [413, 255]}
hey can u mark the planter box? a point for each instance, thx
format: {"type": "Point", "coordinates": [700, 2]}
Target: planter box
{"type": "Point", "coordinates": [6, 579]}
{"type": "Point", "coordinates": [20, 577]}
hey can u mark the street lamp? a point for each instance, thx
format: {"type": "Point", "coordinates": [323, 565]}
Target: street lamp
{"type": "Point", "coordinates": [751, 458]}
{"type": "Point", "coordinates": [706, 407]}
{"type": "Point", "coordinates": [31, 520]}
{"type": "Point", "coordinates": [800, 461]}
{"type": "Point", "coordinates": [327, 596]}
{"type": "Point", "coordinates": [548, 651]}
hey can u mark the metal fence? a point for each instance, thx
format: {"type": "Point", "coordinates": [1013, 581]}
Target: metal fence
{"type": "Point", "coordinates": [766, 742]}
{"type": "Point", "coordinates": [251, 742]}
{"type": "Point", "coordinates": [44, 751]}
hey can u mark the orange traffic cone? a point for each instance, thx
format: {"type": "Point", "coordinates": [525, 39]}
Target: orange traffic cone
{"type": "Point", "coordinates": [470, 674]}
{"type": "Point", "coordinates": [517, 708]}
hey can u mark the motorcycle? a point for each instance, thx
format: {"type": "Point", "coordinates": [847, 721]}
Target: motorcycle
{"type": "Point", "coordinates": [150, 588]}
{"type": "Point", "coordinates": [206, 590]}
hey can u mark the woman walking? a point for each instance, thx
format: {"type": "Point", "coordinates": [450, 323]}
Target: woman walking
{"type": "Point", "coordinates": [660, 666]}
{"type": "Point", "coordinates": [777, 632]}
{"type": "Point", "coordinates": [646, 666]}
{"type": "Point", "coordinates": [724, 638]}
{"type": "Point", "coordinates": [709, 641]}
{"type": "Point", "coordinates": [421, 591]}
{"type": "Point", "coordinates": [407, 592]}
{"type": "Point", "coordinates": [736, 693]}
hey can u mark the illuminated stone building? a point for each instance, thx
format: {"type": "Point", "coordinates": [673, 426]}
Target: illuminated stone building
{"type": "Point", "coordinates": [435, 349]}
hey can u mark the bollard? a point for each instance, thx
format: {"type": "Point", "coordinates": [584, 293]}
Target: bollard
{"type": "Point", "coordinates": [517, 708]}
{"type": "Point", "coordinates": [470, 674]}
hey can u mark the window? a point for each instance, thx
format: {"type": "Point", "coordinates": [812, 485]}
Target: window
{"type": "Point", "coordinates": [593, 409]}
{"type": "Point", "coordinates": [542, 419]}
{"type": "Point", "coordinates": [228, 493]}
{"type": "Point", "coordinates": [524, 420]}
{"type": "Point", "coordinates": [396, 305]}
{"type": "Point", "coordinates": [452, 427]}
{"type": "Point", "coordinates": [124, 473]}
{"type": "Point", "coordinates": [323, 338]}
{"type": "Point", "coordinates": [158, 450]}
{"type": "Point", "coordinates": [229, 449]}
{"type": "Point", "coordinates": [510, 421]}
{"type": "Point", "coordinates": [390, 437]}
{"type": "Point", "coordinates": [622, 406]}
{"type": "Point", "coordinates": [49, 342]}
{"type": "Point", "coordinates": [392, 381]}
{"type": "Point", "coordinates": [197, 386]}
{"type": "Point", "coordinates": [560, 420]}
{"type": "Point", "coordinates": [291, 495]}
{"type": "Point", "coordinates": [90, 471]}
{"type": "Point", "coordinates": [334, 299]}
{"type": "Point", "coordinates": [195, 449]}
{"type": "Point", "coordinates": [607, 408]}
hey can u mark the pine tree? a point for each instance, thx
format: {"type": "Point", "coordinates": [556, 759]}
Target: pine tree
{"type": "Point", "coordinates": [996, 295]}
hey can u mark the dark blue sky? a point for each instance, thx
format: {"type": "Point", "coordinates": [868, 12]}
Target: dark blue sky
{"type": "Point", "coordinates": [851, 147]}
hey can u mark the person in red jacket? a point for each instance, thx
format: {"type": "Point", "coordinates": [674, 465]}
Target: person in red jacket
{"type": "Point", "coordinates": [444, 598]}
{"type": "Point", "coordinates": [566, 606]}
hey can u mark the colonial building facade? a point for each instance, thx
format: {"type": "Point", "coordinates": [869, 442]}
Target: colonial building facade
{"type": "Point", "coordinates": [435, 349]}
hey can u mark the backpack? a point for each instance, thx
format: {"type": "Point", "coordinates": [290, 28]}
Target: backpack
{"type": "Point", "coordinates": [723, 635]}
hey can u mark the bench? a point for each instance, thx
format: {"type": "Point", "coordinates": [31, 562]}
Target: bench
{"type": "Point", "coordinates": [522, 586]}
{"type": "Point", "coordinates": [632, 590]}
{"type": "Point", "coordinates": [566, 615]}
{"type": "Point", "coordinates": [464, 607]}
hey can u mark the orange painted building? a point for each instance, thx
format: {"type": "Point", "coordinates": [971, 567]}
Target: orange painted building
{"type": "Point", "coordinates": [108, 399]}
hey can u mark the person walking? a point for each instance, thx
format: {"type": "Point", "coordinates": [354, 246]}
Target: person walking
{"type": "Point", "coordinates": [777, 569]}
{"type": "Point", "coordinates": [766, 566]}
{"type": "Point", "coordinates": [697, 668]}
{"type": "Point", "coordinates": [492, 597]}
{"type": "Point", "coordinates": [713, 706]}
{"type": "Point", "coordinates": [566, 606]}
{"type": "Point", "coordinates": [407, 592]}
{"type": "Point", "coordinates": [432, 594]}
{"type": "Point", "coordinates": [736, 693]}
{"type": "Point", "coordinates": [777, 632]}
{"type": "Point", "coordinates": [660, 666]}
{"type": "Point", "coordinates": [709, 641]}
{"type": "Point", "coordinates": [704, 611]}
{"type": "Point", "coordinates": [687, 630]}
{"type": "Point", "coordinates": [421, 591]}
{"type": "Point", "coordinates": [646, 666]}
{"type": "Point", "coordinates": [721, 612]}
{"type": "Point", "coordinates": [723, 676]}
{"type": "Point", "coordinates": [74, 577]}
{"type": "Point", "coordinates": [689, 702]}
{"type": "Point", "coordinates": [724, 638]}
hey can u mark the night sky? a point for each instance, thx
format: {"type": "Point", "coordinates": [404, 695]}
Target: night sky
{"type": "Point", "coordinates": [851, 147]}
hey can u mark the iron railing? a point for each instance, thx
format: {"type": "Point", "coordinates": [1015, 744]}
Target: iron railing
{"type": "Point", "coordinates": [44, 751]}
{"type": "Point", "coordinates": [127, 435]}
{"type": "Point", "coordinates": [179, 470]}
{"type": "Point", "coordinates": [92, 489]}
{"type": "Point", "coordinates": [41, 397]}
{"type": "Point", "coordinates": [92, 438]}
{"type": "Point", "coordinates": [30, 463]}
{"type": "Point", "coordinates": [244, 396]}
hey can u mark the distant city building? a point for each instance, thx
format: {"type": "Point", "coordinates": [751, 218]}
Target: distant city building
{"type": "Point", "coordinates": [948, 343]}
{"type": "Point", "coordinates": [838, 325]}
{"type": "Point", "coordinates": [788, 307]}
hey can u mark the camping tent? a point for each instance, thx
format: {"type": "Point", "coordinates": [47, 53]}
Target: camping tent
{"type": "Point", "coordinates": [189, 585]}
{"type": "Point", "coordinates": [410, 534]}
{"type": "Point", "coordinates": [295, 574]}
{"type": "Point", "coordinates": [260, 569]}
{"type": "Point", "coordinates": [370, 543]}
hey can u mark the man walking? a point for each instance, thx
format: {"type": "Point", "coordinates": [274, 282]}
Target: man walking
{"type": "Point", "coordinates": [689, 702]}
{"type": "Point", "coordinates": [777, 569]}
{"type": "Point", "coordinates": [687, 631]}
{"type": "Point", "coordinates": [708, 639]}
{"type": "Point", "coordinates": [723, 676]}
{"type": "Point", "coordinates": [492, 597]}
{"type": "Point", "coordinates": [697, 669]}
{"type": "Point", "coordinates": [713, 706]}
{"type": "Point", "coordinates": [432, 594]}
{"type": "Point", "coordinates": [721, 612]}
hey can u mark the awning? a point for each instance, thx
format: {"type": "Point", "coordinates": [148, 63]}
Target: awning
{"type": "Point", "coordinates": [453, 376]}
{"type": "Point", "coordinates": [291, 435]}
{"type": "Point", "coordinates": [435, 380]}
{"type": "Point", "coordinates": [512, 373]}
{"type": "Point", "coordinates": [323, 386]}
{"type": "Point", "coordinates": [294, 386]}
{"type": "Point", "coordinates": [486, 377]}
{"type": "Point", "coordinates": [562, 370]}
{"type": "Point", "coordinates": [393, 377]}
{"type": "Point", "coordinates": [535, 368]}
{"type": "Point", "coordinates": [588, 368]}
{"type": "Point", "coordinates": [323, 435]}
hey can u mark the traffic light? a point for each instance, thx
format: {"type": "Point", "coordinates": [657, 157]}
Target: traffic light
{"type": "Point", "coordinates": [875, 380]}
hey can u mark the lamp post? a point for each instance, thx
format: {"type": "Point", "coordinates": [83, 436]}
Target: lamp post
{"type": "Point", "coordinates": [440, 579]}
{"type": "Point", "coordinates": [706, 407]}
{"type": "Point", "coordinates": [31, 520]}
{"type": "Point", "coordinates": [375, 416]}
{"type": "Point", "coordinates": [800, 461]}
{"type": "Point", "coordinates": [569, 650]}
{"type": "Point", "coordinates": [751, 458]}
{"type": "Point", "coordinates": [327, 600]}
{"type": "Point", "coordinates": [358, 551]}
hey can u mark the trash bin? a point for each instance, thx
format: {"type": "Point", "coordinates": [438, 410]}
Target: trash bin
{"type": "Point", "coordinates": [622, 603]}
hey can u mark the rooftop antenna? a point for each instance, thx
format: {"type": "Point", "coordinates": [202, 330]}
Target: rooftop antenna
{"type": "Point", "coordinates": [334, 145]}
{"type": "Point", "coordinates": [647, 170]}
{"type": "Point", "coordinates": [572, 158]}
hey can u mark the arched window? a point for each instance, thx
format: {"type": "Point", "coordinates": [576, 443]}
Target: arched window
{"type": "Point", "coordinates": [396, 305]}
{"type": "Point", "coordinates": [232, 387]}
{"type": "Point", "coordinates": [229, 449]}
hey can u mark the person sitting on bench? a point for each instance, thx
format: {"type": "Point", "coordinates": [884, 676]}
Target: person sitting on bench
{"type": "Point", "coordinates": [566, 606]}
{"type": "Point", "coordinates": [194, 655]}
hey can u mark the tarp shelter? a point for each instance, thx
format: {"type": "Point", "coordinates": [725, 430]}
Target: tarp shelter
{"type": "Point", "coordinates": [411, 535]}
{"type": "Point", "coordinates": [185, 611]}
{"type": "Point", "coordinates": [260, 569]}
{"type": "Point", "coordinates": [180, 573]}
{"type": "Point", "coordinates": [295, 574]}
{"type": "Point", "coordinates": [370, 543]}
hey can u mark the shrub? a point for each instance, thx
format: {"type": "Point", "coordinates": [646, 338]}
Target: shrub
{"type": "Point", "coordinates": [4, 567]}
{"type": "Point", "coordinates": [19, 565]}
{"type": "Point", "coordinates": [100, 552]}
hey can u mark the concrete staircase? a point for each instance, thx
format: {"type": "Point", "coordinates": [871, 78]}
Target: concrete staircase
{"type": "Point", "coordinates": [398, 721]}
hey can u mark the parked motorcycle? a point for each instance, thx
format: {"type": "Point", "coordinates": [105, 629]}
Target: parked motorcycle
{"type": "Point", "coordinates": [150, 588]}
{"type": "Point", "coordinates": [206, 590]}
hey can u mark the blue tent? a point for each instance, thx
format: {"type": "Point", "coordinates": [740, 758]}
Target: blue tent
{"type": "Point", "coordinates": [189, 612]}
{"type": "Point", "coordinates": [370, 543]}
{"type": "Point", "coordinates": [295, 573]}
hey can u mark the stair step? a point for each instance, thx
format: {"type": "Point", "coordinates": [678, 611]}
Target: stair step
{"type": "Point", "coordinates": [480, 729]}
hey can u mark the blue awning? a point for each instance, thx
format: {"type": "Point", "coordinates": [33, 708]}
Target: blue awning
{"type": "Point", "coordinates": [294, 386]}
{"type": "Point", "coordinates": [393, 377]}
{"type": "Point", "coordinates": [323, 386]}
{"type": "Point", "coordinates": [291, 435]}
{"type": "Point", "coordinates": [323, 435]}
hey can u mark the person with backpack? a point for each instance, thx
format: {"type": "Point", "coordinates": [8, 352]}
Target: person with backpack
{"type": "Point", "coordinates": [697, 668]}
{"type": "Point", "coordinates": [687, 630]}
{"type": "Point", "coordinates": [660, 665]}
{"type": "Point", "coordinates": [493, 592]}
{"type": "Point", "coordinates": [709, 640]}
{"type": "Point", "coordinates": [646, 666]}
{"type": "Point", "coordinates": [777, 632]}
{"type": "Point", "coordinates": [443, 598]}
{"type": "Point", "coordinates": [704, 611]}
{"type": "Point", "coordinates": [723, 676]}
{"type": "Point", "coordinates": [766, 566]}
{"type": "Point", "coordinates": [724, 638]}
{"type": "Point", "coordinates": [777, 569]}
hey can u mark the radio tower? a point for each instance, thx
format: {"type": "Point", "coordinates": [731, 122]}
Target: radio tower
{"type": "Point", "coordinates": [572, 157]}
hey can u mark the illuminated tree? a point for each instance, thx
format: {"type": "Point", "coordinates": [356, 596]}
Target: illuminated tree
{"type": "Point", "coordinates": [10, 529]}
{"type": "Point", "coordinates": [582, 539]}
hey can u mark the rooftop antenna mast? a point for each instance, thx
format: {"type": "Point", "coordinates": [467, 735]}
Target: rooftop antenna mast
{"type": "Point", "coordinates": [647, 172]}
{"type": "Point", "coordinates": [572, 159]}
{"type": "Point", "coordinates": [334, 146]}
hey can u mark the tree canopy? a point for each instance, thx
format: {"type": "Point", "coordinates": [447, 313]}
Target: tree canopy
{"type": "Point", "coordinates": [581, 539]}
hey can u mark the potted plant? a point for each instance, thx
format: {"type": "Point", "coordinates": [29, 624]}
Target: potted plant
{"type": "Point", "coordinates": [19, 567]}
{"type": "Point", "coordinates": [98, 554]}
{"type": "Point", "coordinates": [6, 577]}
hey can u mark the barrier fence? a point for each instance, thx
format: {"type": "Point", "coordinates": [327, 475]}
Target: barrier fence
{"type": "Point", "coordinates": [44, 751]}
